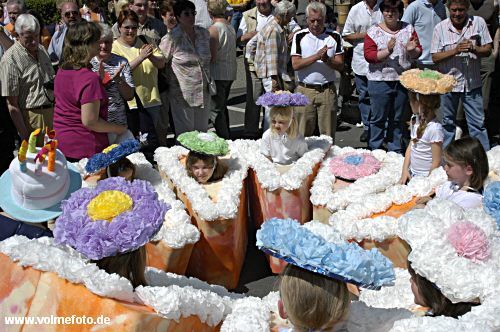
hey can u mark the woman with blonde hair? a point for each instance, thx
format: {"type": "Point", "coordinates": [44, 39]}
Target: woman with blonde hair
{"type": "Point", "coordinates": [223, 64]}
{"type": "Point", "coordinates": [81, 110]}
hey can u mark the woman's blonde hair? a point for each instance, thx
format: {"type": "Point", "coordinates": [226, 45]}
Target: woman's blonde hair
{"type": "Point", "coordinates": [76, 53]}
{"type": "Point", "coordinates": [311, 300]}
{"type": "Point", "coordinates": [285, 113]}
{"type": "Point", "coordinates": [212, 161]}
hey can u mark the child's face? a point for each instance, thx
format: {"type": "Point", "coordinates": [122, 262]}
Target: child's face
{"type": "Point", "coordinates": [280, 125]}
{"type": "Point", "coordinates": [457, 173]}
{"type": "Point", "coordinates": [202, 171]}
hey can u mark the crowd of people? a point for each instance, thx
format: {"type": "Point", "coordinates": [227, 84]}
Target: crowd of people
{"type": "Point", "coordinates": [171, 65]}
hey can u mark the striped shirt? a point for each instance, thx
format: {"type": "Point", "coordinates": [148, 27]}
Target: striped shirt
{"type": "Point", "coordinates": [465, 67]}
{"type": "Point", "coordinates": [116, 106]}
{"type": "Point", "coordinates": [224, 67]}
{"type": "Point", "coordinates": [271, 51]}
{"type": "Point", "coordinates": [23, 76]}
{"type": "Point", "coordinates": [184, 75]}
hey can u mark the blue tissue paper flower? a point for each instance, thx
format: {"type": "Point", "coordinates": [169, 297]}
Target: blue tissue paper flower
{"type": "Point", "coordinates": [288, 240]}
{"type": "Point", "coordinates": [353, 160]}
{"type": "Point", "coordinates": [491, 201]}
{"type": "Point", "coordinates": [104, 159]}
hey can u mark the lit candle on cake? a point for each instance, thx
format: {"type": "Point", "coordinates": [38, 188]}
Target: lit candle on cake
{"type": "Point", "coordinates": [52, 156]}
{"type": "Point", "coordinates": [32, 141]}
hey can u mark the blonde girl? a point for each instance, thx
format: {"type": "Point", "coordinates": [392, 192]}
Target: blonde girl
{"type": "Point", "coordinates": [424, 151]}
{"type": "Point", "coordinates": [311, 301]}
{"type": "Point", "coordinates": [282, 143]}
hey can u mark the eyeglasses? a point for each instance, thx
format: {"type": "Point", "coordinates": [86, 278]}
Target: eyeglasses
{"type": "Point", "coordinates": [130, 27]}
{"type": "Point", "coordinates": [71, 13]}
{"type": "Point", "coordinates": [189, 13]}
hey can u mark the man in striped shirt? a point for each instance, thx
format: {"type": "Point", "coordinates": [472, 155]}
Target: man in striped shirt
{"type": "Point", "coordinates": [458, 43]}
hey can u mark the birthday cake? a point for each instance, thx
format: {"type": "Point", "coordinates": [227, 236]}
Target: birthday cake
{"type": "Point", "coordinates": [40, 178]}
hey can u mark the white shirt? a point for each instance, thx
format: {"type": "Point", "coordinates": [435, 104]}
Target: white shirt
{"type": "Point", "coordinates": [282, 149]}
{"type": "Point", "coordinates": [202, 17]}
{"type": "Point", "coordinates": [465, 199]}
{"type": "Point", "coordinates": [306, 44]}
{"type": "Point", "coordinates": [262, 21]}
{"type": "Point", "coordinates": [360, 19]}
{"type": "Point", "coordinates": [421, 150]}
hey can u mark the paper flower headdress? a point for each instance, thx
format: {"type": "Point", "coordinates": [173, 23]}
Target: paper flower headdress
{"type": "Point", "coordinates": [111, 155]}
{"type": "Point", "coordinates": [288, 240]}
{"type": "Point", "coordinates": [282, 99]}
{"type": "Point", "coordinates": [353, 165]}
{"type": "Point", "coordinates": [117, 216]}
{"type": "Point", "coordinates": [204, 143]}
{"type": "Point", "coordinates": [449, 245]}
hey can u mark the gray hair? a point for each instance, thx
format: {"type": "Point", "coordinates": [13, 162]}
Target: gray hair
{"type": "Point", "coordinates": [27, 22]}
{"type": "Point", "coordinates": [284, 8]}
{"type": "Point", "coordinates": [19, 3]}
{"type": "Point", "coordinates": [106, 31]}
{"type": "Point", "coordinates": [316, 7]}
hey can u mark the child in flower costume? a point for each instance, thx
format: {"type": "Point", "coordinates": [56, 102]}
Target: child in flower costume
{"type": "Point", "coordinates": [313, 289]}
{"type": "Point", "coordinates": [111, 223]}
{"type": "Point", "coordinates": [202, 161]}
{"type": "Point", "coordinates": [113, 161]}
{"type": "Point", "coordinates": [282, 143]}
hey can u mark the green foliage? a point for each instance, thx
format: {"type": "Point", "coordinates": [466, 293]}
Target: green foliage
{"type": "Point", "coordinates": [46, 9]}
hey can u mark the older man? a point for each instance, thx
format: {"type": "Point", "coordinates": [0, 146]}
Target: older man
{"type": "Point", "coordinates": [149, 26]}
{"type": "Point", "coordinates": [316, 53]}
{"type": "Point", "coordinates": [70, 14]}
{"type": "Point", "coordinates": [14, 8]}
{"type": "Point", "coordinates": [458, 43]}
{"type": "Point", "coordinates": [24, 71]}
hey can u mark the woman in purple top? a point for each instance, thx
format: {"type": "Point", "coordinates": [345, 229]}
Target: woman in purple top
{"type": "Point", "coordinates": [81, 111]}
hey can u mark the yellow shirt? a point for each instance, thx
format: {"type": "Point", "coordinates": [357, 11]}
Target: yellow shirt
{"type": "Point", "coordinates": [145, 74]}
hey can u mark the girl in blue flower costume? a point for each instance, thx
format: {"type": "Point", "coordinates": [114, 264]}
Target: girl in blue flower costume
{"type": "Point", "coordinates": [313, 289]}
{"type": "Point", "coordinates": [112, 161]}
{"type": "Point", "coordinates": [281, 142]}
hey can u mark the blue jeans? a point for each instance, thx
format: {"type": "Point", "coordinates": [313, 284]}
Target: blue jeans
{"type": "Point", "coordinates": [236, 18]}
{"type": "Point", "coordinates": [363, 99]}
{"type": "Point", "coordinates": [388, 101]}
{"type": "Point", "coordinates": [474, 114]}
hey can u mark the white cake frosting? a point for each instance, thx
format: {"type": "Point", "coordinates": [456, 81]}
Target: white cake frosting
{"type": "Point", "coordinates": [39, 191]}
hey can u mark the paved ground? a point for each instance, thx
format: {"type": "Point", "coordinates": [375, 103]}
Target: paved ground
{"type": "Point", "coordinates": [256, 277]}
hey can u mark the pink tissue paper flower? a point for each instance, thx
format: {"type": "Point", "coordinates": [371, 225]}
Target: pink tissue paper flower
{"type": "Point", "coordinates": [353, 165]}
{"type": "Point", "coordinates": [469, 241]}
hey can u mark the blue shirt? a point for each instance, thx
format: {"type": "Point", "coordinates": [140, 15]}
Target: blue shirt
{"type": "Point", "coordinates": [424, 17]}
{"type": "Point", "coordinates": [56, 44]}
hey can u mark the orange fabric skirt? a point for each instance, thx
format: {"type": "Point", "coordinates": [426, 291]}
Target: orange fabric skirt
{"type": "Point", "coordinates": [27, 292]}
{"type": "Point", "coordinates": [280, 203]}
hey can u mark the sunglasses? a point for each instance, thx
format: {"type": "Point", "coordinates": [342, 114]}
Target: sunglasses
{"type": "Point", "coordinates": [189, 13]}
{"type": "Point", "coordinates": [130, 27]}
{"type": "Point", "coordinates": [71, 13]}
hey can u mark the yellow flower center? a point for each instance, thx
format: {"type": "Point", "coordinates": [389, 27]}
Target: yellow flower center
{"type": "Point", "coordinates": [109, 148]}
{"type": "Point", "coordinates": [108, 205]}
